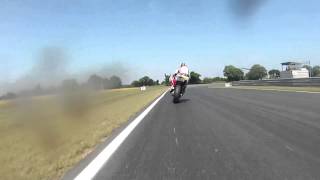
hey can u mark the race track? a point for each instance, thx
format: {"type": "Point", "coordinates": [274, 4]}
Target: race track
{"type": "Point", "coordinates": [223, 134]}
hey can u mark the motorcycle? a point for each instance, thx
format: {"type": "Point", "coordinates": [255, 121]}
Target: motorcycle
{"type": "Point", "coordinates": [179, 83]}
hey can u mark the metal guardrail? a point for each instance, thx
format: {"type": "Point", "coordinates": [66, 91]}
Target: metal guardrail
{"type": "Point", "coordinates": [315, 81]}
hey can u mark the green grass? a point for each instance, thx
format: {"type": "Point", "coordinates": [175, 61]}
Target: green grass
{"type": "Point", "coordinates": [42, 138]}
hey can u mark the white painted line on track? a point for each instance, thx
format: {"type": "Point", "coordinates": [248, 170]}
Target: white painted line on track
{"type": "Point", "coordinates": [94, 167]}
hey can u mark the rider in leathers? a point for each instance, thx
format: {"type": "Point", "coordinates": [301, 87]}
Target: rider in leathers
{"type": "Point", "coordinates": [184, 70]}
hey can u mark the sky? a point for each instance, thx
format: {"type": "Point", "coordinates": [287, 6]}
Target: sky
{"type": "Point", "coordinates": [151, 37]}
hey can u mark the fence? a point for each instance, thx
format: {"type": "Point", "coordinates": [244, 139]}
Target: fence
{"type": "Point", "coordinates": [279, 82]}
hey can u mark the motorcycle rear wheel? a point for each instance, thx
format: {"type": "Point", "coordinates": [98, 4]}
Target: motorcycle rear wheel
{"type": "Point", "coordinates": [177, 94]}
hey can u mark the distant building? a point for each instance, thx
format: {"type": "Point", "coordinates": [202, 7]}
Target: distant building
{"type": "Point", "coordinates": [293, 70]}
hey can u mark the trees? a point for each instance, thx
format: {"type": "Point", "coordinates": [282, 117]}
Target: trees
{"type": "Point", "coordinates": [8, 96]}
{"type": "Point", "coordinates": [232, 73]}
{"type": "Point", "coordinates": [208, 80]}
{"type": "Point", "coordinates": [166, 80]}
{"type": "Point", "coordinates": [157, 82]}
{"type": "Point", "coordinates": [115, 82]}
{"type": "Point", "coordinates": [195, 78]}
{"type": "Point", "coordinates": [136, 84]}
{"type": "Point", "coordinates": [257, 72]}
{"type": "Point", "coordinates": [274, 73]}
{"type": "Point", "coordinates": [144, 81]}
{"type": "Point", "coordinates": [316, 71]}
{"type": "Point", "coordinates": [96, 82]}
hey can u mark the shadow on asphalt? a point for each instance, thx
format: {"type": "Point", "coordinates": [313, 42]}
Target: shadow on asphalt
{"type": "Point", "coordinates": [183, 101]}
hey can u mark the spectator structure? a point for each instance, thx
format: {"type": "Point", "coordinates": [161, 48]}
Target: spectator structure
{"type": "Point", "coordinates": [292, 70]}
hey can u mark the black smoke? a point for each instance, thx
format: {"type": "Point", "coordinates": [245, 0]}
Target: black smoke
{"type": "Point", "coordinates": [244, 9]}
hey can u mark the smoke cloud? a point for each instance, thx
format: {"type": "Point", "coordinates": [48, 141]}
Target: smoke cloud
{"type": "Point", "coordinates": [245, 9]}
{"type": "Point", "coordinates": [49, 70]}
{"type": "Point", "coordinates": [52, 67]}
{"type": "Point", "coordinates": [48, 117]}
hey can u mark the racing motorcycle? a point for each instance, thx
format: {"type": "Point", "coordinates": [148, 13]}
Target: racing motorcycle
{"type": "Point", "coordinates": [179, 83]}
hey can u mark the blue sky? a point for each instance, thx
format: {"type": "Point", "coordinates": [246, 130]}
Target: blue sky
{"type": "Point", "coordinates": [153, 36]}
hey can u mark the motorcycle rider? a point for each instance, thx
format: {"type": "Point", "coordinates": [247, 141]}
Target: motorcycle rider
{"type": "Point", "coordinates": [183, 70]}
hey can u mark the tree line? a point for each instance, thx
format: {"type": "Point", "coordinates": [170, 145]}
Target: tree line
{"type": "Point", "coordinates": [257, 72]}
{"type": "Point", "coordinates": [95, 82]}
{"type": "Point", "coordinates": [314, 70]}
{"type": "Point", "coordinates": [145, 81]}
{"type": "Point", "coordinates": [195, 78]}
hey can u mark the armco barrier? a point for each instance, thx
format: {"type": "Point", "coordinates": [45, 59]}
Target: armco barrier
{"type": "Point", "coordinates": [279, 82]}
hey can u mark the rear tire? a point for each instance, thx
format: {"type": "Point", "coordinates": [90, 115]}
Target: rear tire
{"type": "Point", "coordinates": [177, 94]}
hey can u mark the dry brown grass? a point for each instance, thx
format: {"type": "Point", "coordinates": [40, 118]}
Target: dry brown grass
{"type": "Point", "coordinates": [43, 137]}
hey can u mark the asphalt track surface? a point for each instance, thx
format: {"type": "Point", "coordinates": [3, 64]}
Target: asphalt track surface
{"type": "Point", "coordinates": [216, 133]}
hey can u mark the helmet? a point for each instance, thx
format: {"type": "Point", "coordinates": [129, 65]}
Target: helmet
{"type": "Point", "coordinates": [183, 64]}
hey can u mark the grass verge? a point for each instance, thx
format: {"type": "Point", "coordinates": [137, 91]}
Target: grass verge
{"type": "Point", "coordinates": [44, 137]}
